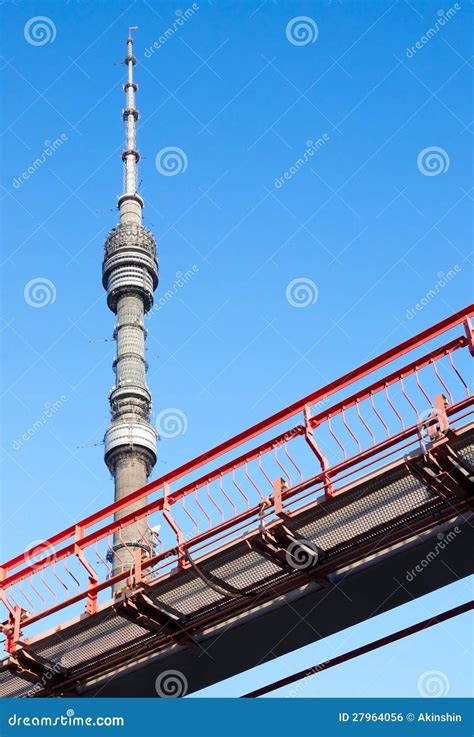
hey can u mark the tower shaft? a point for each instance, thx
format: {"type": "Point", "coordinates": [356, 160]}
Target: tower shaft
{"type": "Point", "coordinates": [130, 276]}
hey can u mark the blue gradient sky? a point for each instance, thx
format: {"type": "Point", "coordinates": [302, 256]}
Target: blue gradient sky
{"type": "Point", "coordinates": [360, 220]}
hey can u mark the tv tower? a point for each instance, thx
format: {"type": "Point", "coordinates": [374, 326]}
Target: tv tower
{"type": "Point", "coordinates": [130, 276]}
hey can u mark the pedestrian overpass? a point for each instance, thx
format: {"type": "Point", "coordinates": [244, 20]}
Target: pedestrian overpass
{"type": "Point", "coordinates": [349, 502]}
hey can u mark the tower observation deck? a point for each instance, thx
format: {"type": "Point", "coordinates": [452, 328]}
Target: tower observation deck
{"type": "Point", "coordinates": [130, 276]}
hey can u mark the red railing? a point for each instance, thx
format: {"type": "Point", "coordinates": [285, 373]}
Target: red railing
{"type": "Point", "coordinates": [209, 501]}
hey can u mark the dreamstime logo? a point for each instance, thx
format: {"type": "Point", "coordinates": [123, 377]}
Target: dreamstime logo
{"type": "Point", "coordinates": [302, 554]}
{"type": "Point", "coordinates": [433, 684]}
{"type": "Point", "coordinates": [171, 422]}
{"type": "Point", "coordinates": [49, 673]}
{"type": "Point", "coordinates": [49, 148]}
{"type": "Point", "coordinates": [50, 408]}
{"type": "Point", "coordinates": [39, 292]}
{"type": "Point", "coordinates": [443, 18]}
{"type": "Point", "coordinates": [304, 683]}
{"type": "Point", "coordinates": [182, 17]}
{"type": "Point", "coordinates": [182, 278]}
{"type": "Point", "coordinates": [443, 281]}
{"type": "Point", "coordinates": [443, 541]}
{"type": "Point", "coordinates": [302, 292]}
{"type": "Point", "coordinates": [302, 30]}
{"type": "Point", "coordinates": [427, 424]}
{"type": "Point", "coordinates": [312, 148]}
{"type": "Point", "coordinates": [432, 161]}
{"type": "Point", "coordinates": [171, 160]}
{"type": "Point", "coordinates": [69, 719]}
{"type": "Point", "coordinates": [39, 31]}
{"type": "Point", "coordinates": [171, 684]}
{"type": "Point", "coordinates": [39, 551]}
{"type": "Point", "coordinates": [429, 429]}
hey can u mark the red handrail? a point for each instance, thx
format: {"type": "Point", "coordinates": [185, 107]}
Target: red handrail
{"type": "Point", "coordinates": [78, 538]}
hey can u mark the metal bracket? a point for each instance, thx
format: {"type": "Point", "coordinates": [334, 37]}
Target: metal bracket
{"type": "Point", "coordinates": [443, 470]}
{"type": "Point", "coordinates": [130, 111]}
{"type": "Point", "coordinates": [135, 578]}
{"type": "Point", "coordinates": [130, 152]}
{"type": "Point", "coordinates": [470, 334]}
{"type": "Point", "coordinates": [459, 469]}
{"type": "Point", "coordinates": [281, 545]}
{"type": "Point", "coordinates": [138, 607]}
{"type": "Point", "coordinates": [442, 423]}
{"type": "Point", "coordinates": [279, 486]}
{"type": "Point", "coordinates": [30, 666]}
{"type": "Point", "coordinates": [12, 627]}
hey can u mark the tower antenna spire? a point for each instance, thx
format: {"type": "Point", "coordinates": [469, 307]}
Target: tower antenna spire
{"type": "Point", "coordinates": [130, 155]}
{"type": "Point", "coordinates": [130, 276]}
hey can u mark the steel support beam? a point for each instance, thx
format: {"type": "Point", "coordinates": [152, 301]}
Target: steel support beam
{"type": "Point", "coordinates": [138, 607]}
{"type": "Point", "coordinates": [39, 671]}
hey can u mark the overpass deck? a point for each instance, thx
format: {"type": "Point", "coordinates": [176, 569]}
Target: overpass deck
{"type": "Point", "coordinates": [259, 571]}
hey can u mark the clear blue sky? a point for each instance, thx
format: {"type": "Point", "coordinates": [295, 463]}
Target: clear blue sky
{"type": "Point", "coordinates": [360, 220]}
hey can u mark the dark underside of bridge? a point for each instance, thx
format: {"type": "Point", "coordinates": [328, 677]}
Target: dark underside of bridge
{"type": "Point", "coordinates": [300, 621]}
{"type": "Point", "coordinates": [395, 536]}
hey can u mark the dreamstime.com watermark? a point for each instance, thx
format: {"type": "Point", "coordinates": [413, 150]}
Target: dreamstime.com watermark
{"type": "Point", "coordinates": [443, 281]}
{"type": "Point", "coordinates": [433, 684]}
{"type": "Point", "coordinates": [39, 292]}
{"type": "Point", "coordinates": [171, 422]}
{"type": "Point", "coordinates": [171, 160]}
{"type": "Point", "coordinates": [182, 278]}
{"type": "Point", "coordinates": [45, 680]}
{"type": "Point", "coordinates": [443, 18]}
{"type": "Point", "coordinates": [433, 161]}
{"type": "Point", "coordinates": [49, 148]}
{"type": "Point", "coordinates": [442, 544]}
{"type": "Point", "coordinates": [305, 681]}
{"type": "Point", "coordinates": [301, 292]}
{"type": "Point", "coordinates": [182, 17]}
{"type": "Point", "coordinates": [39, 31]}
{"type": "Point", "coordinates": [312, 148]}
{"type": "Point", "coordinates": [50, 410]}
{"type": "Point", "coordinates": [302, 30]}
{"type": "Point", "coordinates": [171, 684]}
{"type": "Point", "coordinates": [39, 553]}
{"type": "Point", "coordinates": [69, 719]}
{"type": "Point", "coordinates": [302, 554]}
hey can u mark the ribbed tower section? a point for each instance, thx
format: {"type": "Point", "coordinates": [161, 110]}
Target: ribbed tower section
{"type": "Point", "coordinates": [130, 276]}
